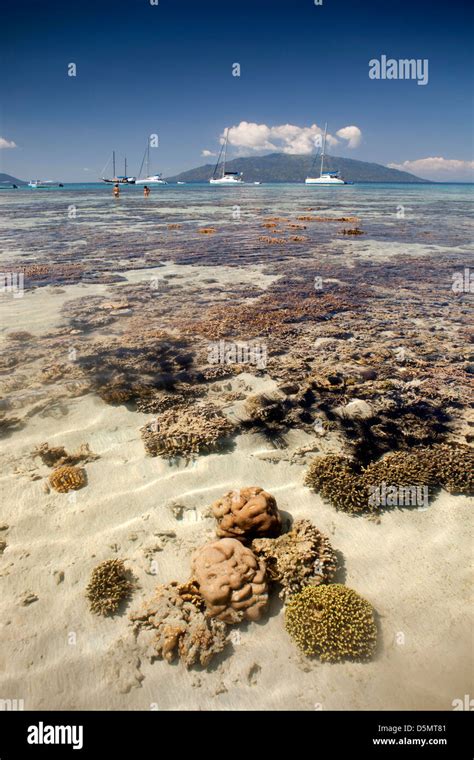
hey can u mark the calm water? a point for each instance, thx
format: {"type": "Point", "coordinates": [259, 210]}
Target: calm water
{"type": "Point", "coordinates": [34, 222]}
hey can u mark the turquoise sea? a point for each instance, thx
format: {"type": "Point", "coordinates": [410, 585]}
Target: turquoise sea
{"type": "Point", "coordinates": [87, 214]}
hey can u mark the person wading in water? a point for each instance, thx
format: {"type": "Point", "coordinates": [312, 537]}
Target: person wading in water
{"type": "Point", "coordinates": [116, 191]}
{"type": "Point", "coordinates": [146, 191]}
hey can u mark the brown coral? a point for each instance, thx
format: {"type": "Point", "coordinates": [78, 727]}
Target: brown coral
{"type": "Point", "coordinates": [181, 432]}
{"type": "Point", "coordinates": [231, 580]}
{"type": "Point", "coordinates": [246, 514]}
{"type": "Point", "coordinates": [109, 585]}
{"type": "Point", "coordinates": [177, 626]}
{"type": "Point", "coordinates": [335, 479]}
{"type": "Point", "coordinates": [302, 557]}
{"type": "Point", "coordinates": [55, 456]}
{"type": "Point", "coordinates": [442, 465]}
{"type": "Point", "coordinates": [67, 478]}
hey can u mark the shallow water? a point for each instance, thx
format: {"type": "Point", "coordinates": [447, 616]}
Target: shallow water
{"type": "Point", "coordinates": [86, 216]}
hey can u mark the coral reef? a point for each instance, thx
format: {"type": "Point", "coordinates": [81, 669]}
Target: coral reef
{"type": "Point", "coordinates": [176, 626]}
{"type": "Point", "coordinates": [159, 401]}
{"type": "Point", "coordinates": [347, 486]}
{"type": "Point", "coordinates": [231, 579]}
{"type": "Point", "coordinates": [181, 432]}
{"type": "Point", "coordinates": [354, 231]}
{"type": "Point", "coordinates": [302, 557]}
{"type": "Point", "coordinates": [334, 477]}
{"type": "Point", "coordinates": [332, 622]}
{"type": "Point", "coordinates": [453, 467]}
{"type": "Point", "coordinates": [67, 478]}
{"type": "Point", "coordinates": [109, 585]}
{"type": "Point", "coordinates": [246, 514]}
{"type": "Point", "coordinates": [55, 456]}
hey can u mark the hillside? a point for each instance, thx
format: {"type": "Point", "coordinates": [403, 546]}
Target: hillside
{"type": "Point", "coordinates": [7, 178]}
{"type": "Point", "coordinates": [280, 167]}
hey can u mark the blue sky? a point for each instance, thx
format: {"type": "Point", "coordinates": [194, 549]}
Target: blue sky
{"type": "Point", "coordinates": [167, 69]}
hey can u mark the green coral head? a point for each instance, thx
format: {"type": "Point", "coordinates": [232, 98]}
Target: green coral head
{"type": "Point", "coordinates": [332, 622]}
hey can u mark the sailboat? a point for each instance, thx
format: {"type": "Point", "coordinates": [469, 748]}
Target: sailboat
{"type": "Point", "coordinates": [123, 180]}
{"type": "Point", "coordinates": [225, 178]}
{"type": "Point", "coordinates": [330, 178]}
{"type": "Point", "coordinates": [150, 179]}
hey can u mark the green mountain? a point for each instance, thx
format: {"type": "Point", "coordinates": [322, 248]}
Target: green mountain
{"type": "Point", "coordinates": [7, 178]}
{"type": "Point", "coordinates": [280, 167]}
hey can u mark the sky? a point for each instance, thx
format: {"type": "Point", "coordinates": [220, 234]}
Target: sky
{"type": "Point", "coordinates": [167, 68]}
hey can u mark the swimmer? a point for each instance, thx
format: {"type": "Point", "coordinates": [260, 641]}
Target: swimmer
{"type": "Point", "coordinates": [146, 191]}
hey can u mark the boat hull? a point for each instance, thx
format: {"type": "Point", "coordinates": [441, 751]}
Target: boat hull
{"type": "Point", "coordinates": [226, 182]}
{"type": "Point", "coordinates": [324, 182]}
{"type": "Point", "coordinates": [151, 182]}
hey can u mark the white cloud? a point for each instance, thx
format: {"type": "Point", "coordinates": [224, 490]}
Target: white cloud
{"type": "Point", "coordinates": [207, 153]}
{"type": "Point", "coordinates": [436, 167]}
{"type": "Point", "coordinates": [285, 138]}
{"type": "Point", "coordinates": [352, 134]}
{"type": "Point", "coordinates": [7, 143]}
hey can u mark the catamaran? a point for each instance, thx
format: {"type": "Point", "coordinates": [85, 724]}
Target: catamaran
{"type": "Point", "coordinates": [150, 179]}
{"type": "Point", "coordinates": [123, 180]}
{"type": "Point", "coordinates": [225, 178]}
{"type": "Point", "coordinates": [42, 183]}
{"type": "Point", "coordinates": [330, 178]}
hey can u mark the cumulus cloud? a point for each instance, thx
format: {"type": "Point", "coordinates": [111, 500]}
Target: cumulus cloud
{"type": "Point", "coordinates": [207, 153]}
{"type": "Point", "coordinates": [4, 143]}
{"type": "Point", "coordinates": [437, 167]}
{"type": "Point", "coordinates": [286, 138]}
{"type": "Point", "coordinates": [353, 135]}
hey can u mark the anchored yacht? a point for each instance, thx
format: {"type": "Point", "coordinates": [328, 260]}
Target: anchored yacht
{"type": "Point", "coordinates": [150, 179]}
{"type": "Point", "coordinates": [327, 177]}
{"type": "Point", "coordinates": [221, 177]}
{"type": "Point", "coordinates": [114, 180]}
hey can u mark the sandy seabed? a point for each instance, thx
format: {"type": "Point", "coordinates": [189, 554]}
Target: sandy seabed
{"type": "Point", "coordinates": [413, 565]}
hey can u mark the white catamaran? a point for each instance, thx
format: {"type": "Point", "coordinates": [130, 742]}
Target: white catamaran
{"type": "Point", "coordinates": [327, 178]}
{"type": "Point", "coordinates": [225, 178]}
{"type": "Point", "coordinates": [150, 179]}
{"type": "Point", "coordinates": [122, 180]}
{"type": "Point", "coordinates": [43, 183]}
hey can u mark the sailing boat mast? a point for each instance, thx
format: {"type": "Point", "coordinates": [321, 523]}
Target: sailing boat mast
{"type": "Point", "coordinates": [324, 149]}
{"type": "Point", "coordinates": [225, 151]}
{"type": "Point", "coordinates": [113, 161]}
{"type": "Point", "coordinates": [148, 158]}
{"type": "Point", "coordinates": [125, 173]}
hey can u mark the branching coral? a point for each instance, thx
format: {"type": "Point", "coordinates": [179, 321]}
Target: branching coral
{"type": "Point", "coordinates": [347, 488]}
{"type": "Point", "coordinates": [108, 587]}
{"type": "Point", "coordinates": [247, 514]}
{"type": "Point", "coordinates": [54, 456]}
{"type": "Point", "coordinates": [302, 557]}
{"type": "Point", "coordinates": [181, 432]}
{"type": "Point", "coordinates": [335, 479]}
{"type": "Point", "coordinates": [177, 626]}
{"type": "Point", "coordinates": [332, 622]}
{"type": "Point", "coordinates": [159, 401]}
{"type": "Point", "coordinates": [67, 478]}
{"type": "Point", "coordinates": [231, 579]}
{"type": "Point", "coordinates": [452, 467]}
